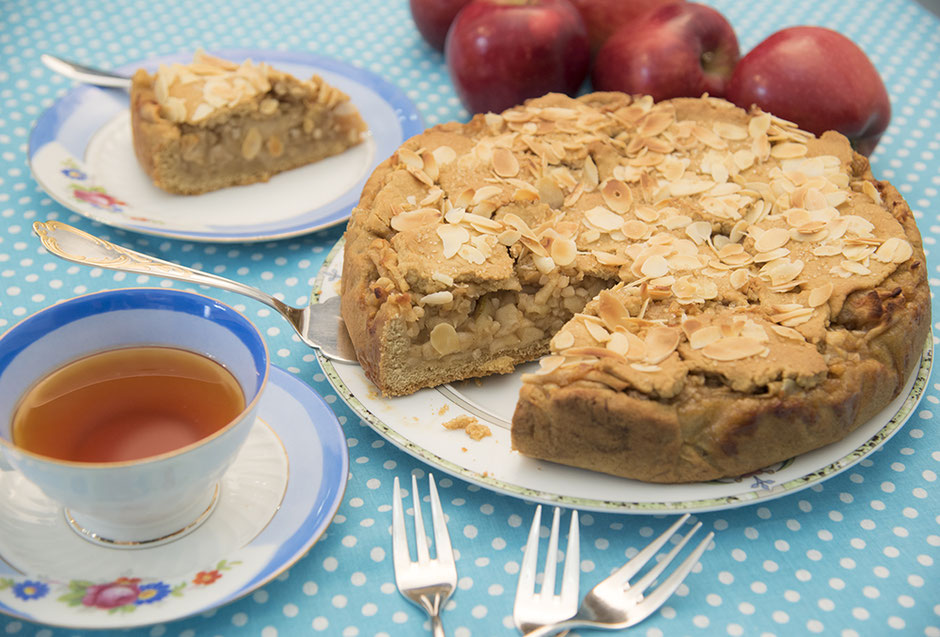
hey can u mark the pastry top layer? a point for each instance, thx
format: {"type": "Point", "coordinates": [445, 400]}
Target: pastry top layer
{"type": "Point", "coordinates": [211, 88]}
{"type": "Point", "coordinates": [736, 238]}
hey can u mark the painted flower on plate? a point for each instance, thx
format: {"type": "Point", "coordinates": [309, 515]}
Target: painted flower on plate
{"type": "Point", "coordinates": [204, 578]}
{"type": "Point", "coordinates": [74, 173]}
{"type": "Point", "coordinates": [30, 589]}
{"type": "Point", "coordinates": [150, 593]}
{"type": "Point", "coordinates": [120, 592]}
{"type": "Point", "coordinates": [98, 199]}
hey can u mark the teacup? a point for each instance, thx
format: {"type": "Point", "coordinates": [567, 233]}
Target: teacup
{"type": "Point", "coordinates": [148, 500]}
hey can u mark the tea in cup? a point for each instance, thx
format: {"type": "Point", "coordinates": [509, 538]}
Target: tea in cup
{"type": "Point", "coordinates": [127, 406]}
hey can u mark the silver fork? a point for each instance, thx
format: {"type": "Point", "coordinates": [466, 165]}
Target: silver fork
{"type": "Point", "coordinates": [317, 324]}
{"type": "Point", "coordinates": [532, 609]}
{"type": "Point", "coordinates": [427, 582]}
{"type": "Point", "coordinates": [615, 603]}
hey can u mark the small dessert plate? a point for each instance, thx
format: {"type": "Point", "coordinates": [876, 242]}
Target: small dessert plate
{"type": "Point", "coordinates": [81, 152]}
{"type": "Point", "coordinates": [275, 502]}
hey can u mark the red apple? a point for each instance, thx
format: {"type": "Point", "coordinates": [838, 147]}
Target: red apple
{"type": "Point", "coordinates": [603, 17]}
{"type": "Point", "coordinates": [816, 78]}
{"type": "Point", "coordinates": [434, 17]}
{"type": "Point", "coordinates": [679, 50]}
{"type": "Point", "coordinates": [502, 52]}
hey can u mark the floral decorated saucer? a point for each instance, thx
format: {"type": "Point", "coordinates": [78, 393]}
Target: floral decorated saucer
{"type": "Point", "coordinates": [275, 502]}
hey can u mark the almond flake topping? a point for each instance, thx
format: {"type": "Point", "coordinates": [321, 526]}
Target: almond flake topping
{"type": "Point", "coordinates": [894, 250]}
{"type": "Point", "coordinates": [821, 294]}
{"type": "Point", "coordinates": [617, 196]}
{"type": "Point", "coordinates": [415, 219]}
{"type": "Point", "coordinates": [771, 240]}
{"type": "Point", "coordinates": [548, 364]}
{"type": "Point", "coordinates": [453, 238]}
{"type": "Point", "coordinates": [733, 348]}
{"type": "Point", "coordinates": [505, 163]}
{"type": "Point", "coordinates": [437, 298]}
{"type": "Point", "coordinates": [563, 251]}
{"type": "Point", "coordinates": [660, 343]}
{"type": "Point", "coordinates": [603, 219]}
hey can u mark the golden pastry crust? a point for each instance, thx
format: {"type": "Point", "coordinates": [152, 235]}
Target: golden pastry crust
{"type": "Point", "coordinates": [214, 124]}
{"type": "Point", "coordinates": [756, 293]}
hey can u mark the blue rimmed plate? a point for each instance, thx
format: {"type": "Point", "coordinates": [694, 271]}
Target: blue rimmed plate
{"type": "Point", "coordinates": [81, 153]}
{"type": "Point", "coordinates": [276, 501]}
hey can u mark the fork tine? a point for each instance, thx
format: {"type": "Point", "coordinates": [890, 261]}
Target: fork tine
{"type": "Point", "coordinates": [442, 548]}
{"type": "Point", "coordinates": [400, 553]}
{"type": "Point", "coordinates": [526, 586]}
{"type": "Point", "coordinates": [658, 597]}
{"type": "Point", "coordinates": [551, 558]}
{"type": "Point", "coordinates": [636, 590]}
{"type": "Point", "coordinates": [421, 538]}
{"type": "Point", "coordinates": [571, 575]}
{"type": "Point", "coordinates": [628, 570]}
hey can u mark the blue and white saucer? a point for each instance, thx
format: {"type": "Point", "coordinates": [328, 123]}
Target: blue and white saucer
{"type": "Point", "coordinates": [276, 501]}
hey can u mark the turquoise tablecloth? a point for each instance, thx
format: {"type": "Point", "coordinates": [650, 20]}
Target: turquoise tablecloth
{"type": "Point", "coordinates": [856, 555]}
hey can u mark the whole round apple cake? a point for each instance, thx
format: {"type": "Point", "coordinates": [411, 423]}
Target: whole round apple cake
{"type": "Point", "coordinates": [717, 290]}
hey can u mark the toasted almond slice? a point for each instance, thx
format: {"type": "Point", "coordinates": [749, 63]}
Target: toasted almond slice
{"type": "Point", "coordinates": [619, 343]}
{"type": "Point", "coordinates": [611, 311]}
{"type": "Point", "coordinates": [788, 150]}
{"type": "Point", "coordinates": [855, 267]}
{"type": "Point", "coordinates": [453, 238]}
{"type": "Point", "coordinates": [508, 237]}
{"type": "Point", "coordinates": [643, 367]}
{"type": "Point", "coordinates": [563, 251]}
{"type": "Point", "coordinates": [562, 340]}
{"type": "Point", "coordinates": [589, 174]}
{"type": "Point", "coordinates": [444, 155]}
{"type": "Point", "coordinates": [634, 229]}
{"type": "Point", "coordinates": [869, 189]}
{"type": "Point", "coordinates": [739, 278]}
{"type": "Point", "coordinates": [704, 336]}
{"type": "Point", "coordinates": [894, 250]}
{"type": "Point", "coordinates": [543, 264]}
{"type": "Point", "coordinates": [733, 348]}
{"type": "Point", "coordinates": [687, 187]}
{"type": "Point", "coordinates": [548, 364]}
{"type": "Point", "coordinates": [444, 339]}
{"type": "Point", "coordinates": [481, 223]}
{"type": "Point", "coordinates": [788, 333]}
{"type": "Point", "coordinates": [603, 219]}
{"type": "Point", "coordinates": [637, 351]}
{"type": "Point", "coordinates": [437, 298]}
{"type": "Point", "coordinates": [410, 159]}
{"type": "Point", "coordinates": [771, 240]}
{"type": "Point", "coordinates": [699, 231]}
{"type": "Point", "coordinates": [440, 277]}
{"type": "Point", "coordinates": [655, 122]}
{"type": "Point", "coordinates": [660, 343]}
{"type": "Point", "coordinates": [820, 295]}
{"type": "Point", "coordinates": [654, 266]}
{"type": "Point", "coordinates": [607, 258]}
{"type": "Point", "coordinates": [617, 195]}
{"type": "Point", "coordinates": [767, 257]}
{"type": "Point", "coordinates": [730, 131]}
{"type": "Point", "coordinates": [472, 254]}
{"type": "Point", "coordinates": [647, 214]}
{"type": "Point", "coordinates": [597, 332]}
{"type": "Point", "coordinates": [505, 163]}
{"type": "Point", "coordinates": [743, 159]}
{"type": "Point", "coordinates": [415, 219]}
{"type": "Point", "coordinates": [485, 193]}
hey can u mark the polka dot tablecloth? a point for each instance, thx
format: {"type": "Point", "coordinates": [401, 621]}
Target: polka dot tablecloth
{"type": "Point", "coordinates": [856, 555]}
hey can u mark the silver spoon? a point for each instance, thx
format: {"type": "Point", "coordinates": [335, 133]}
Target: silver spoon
{"type": "Point", "coordinates": [319, 325]}
{"type": "Point", "coordinates": [85, 74]}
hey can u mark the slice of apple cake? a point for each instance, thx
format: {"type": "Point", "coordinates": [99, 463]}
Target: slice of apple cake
{"type": "Point", "coordinates": [214, 123]}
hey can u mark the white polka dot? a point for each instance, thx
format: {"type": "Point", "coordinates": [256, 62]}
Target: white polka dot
{"type": "Point", "coordinates": [239, 619]}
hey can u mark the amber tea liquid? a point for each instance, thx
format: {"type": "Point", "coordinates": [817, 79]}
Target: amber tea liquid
{"type": "Point", "coordinates": [126, 404]}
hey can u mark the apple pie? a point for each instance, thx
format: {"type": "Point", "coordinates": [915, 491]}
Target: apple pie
{"type": "Point", "coordinates": [214, 123]}
{"type": "Point", "coordinates": [715, 289]}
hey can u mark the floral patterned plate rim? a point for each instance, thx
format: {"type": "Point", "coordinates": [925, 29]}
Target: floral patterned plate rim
{"type": "Point", "coordinates": [316, 465]}
{"type": "Point", "coordinates": [81, 153]}
{"type": "Point", "coordinates": [415, 424]}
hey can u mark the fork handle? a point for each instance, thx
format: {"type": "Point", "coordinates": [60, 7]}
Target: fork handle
{"type": "Point", "coordinates": [437, 626]}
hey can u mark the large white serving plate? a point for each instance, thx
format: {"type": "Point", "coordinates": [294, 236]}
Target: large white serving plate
{"type": "Point", "coordinates": [415, 424]}
{"type": "Point", "coordinates": [81, 152]}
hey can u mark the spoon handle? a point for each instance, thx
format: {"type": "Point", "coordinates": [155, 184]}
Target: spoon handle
{"type": "Point", "coordinates": [73, 245]}
{"type": "Point", "coordinates": [85, 74]}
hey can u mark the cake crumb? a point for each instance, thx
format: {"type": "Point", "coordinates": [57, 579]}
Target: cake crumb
{"type": "Point", "coordinates": [443, 410]}
{"type": "Point", "coordinates": [470, 425]}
